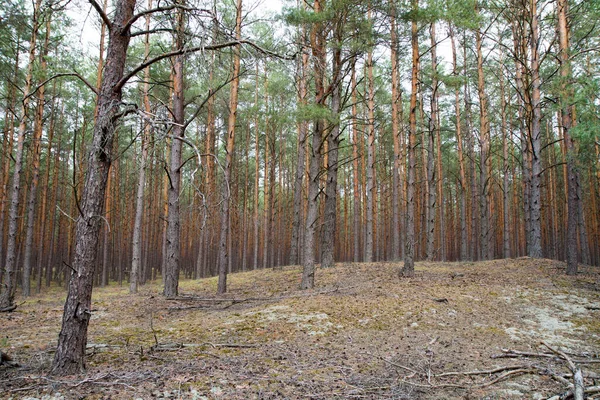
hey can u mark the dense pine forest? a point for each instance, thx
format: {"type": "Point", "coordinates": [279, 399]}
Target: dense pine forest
{"type": "Point", "coordinates": [202, 138]}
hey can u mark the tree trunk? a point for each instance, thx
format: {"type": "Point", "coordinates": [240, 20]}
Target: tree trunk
{"type": "Point", "coordinates": [409, 252]}
{"type": "Point", "coordinates": [463, 255]}
{"type": "Point", "coordinates": [136, 242]}
{"type": "Point", "coordinates": [356, 203]}
{"type": "Point", "coordinates": [7, 290]}
{"type": "Point", "coordinates": [396, 103]}
{"type": "Point", "coordinates": [535, 251]}
{"type": "Point", "coordinates": [505, 171]}
{"type": "Point", "coordinates": [333, 141]}
{"type": "Point", "coordinates": [318, 52]}
{"type": "Point", "coordinates": [295, 250]}
{"type": "Point", "coordinates": [256, 176]}
{"type": "Point", "coordinates": [36, 150]}
{"type": "Point", "coordinates": [486, 250]}
{"type": "Point", "coordinates": [70, 353]}
{"type": "Point", "coordinates": [370, 154]}
{"type": "Point", "coordinates": [173, 248]}
{"type": "Point", "coordinates": [233, 103]}
{"type": "Point", "coordinates": [566, 118]}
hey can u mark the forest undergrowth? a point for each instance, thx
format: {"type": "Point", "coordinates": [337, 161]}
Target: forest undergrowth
{"type": "Point", "coordinates": [499, 329]}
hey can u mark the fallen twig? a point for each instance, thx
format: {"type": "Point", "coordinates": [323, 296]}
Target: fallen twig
{"type": "Point", "coordinates": [578, 384]}
{"type": "Point", "coordinates": [485, 372]}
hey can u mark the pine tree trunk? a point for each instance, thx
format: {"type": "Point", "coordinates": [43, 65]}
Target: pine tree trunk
{"type": "Point", "coordinates": [295, 249]}
{"type": "Point", "coordinates": [462, 189]}
{"type": "Point", "coordinates": [312, 212]}
{"type": "Point", "coordinates": [333, 140]}
{"type": "Point", "coordinates": [36, 150]}
{"type": "Point", "coordinates": [535, 250]}
{"type": "Point", "coordinates": [70, 353]}
{"type": "Point", "coordinates": [356, 203]}
{"type": "Point", "coordinates": [7, 290]}
{"type": "Point", "coordinates": [370, 155]}
{"type": "Point", "coordinates": [486, 250]}
{"type": "Point", "coordinates": [173, 247]}
{"type": "Point", "coordinates": [409, 252]}
{"type": "Point", "coordinates": [136, 241]}
{"type": "Point", "coordinates": [224, 254]}
{"type": "Point", "coordinates": [396, 103]}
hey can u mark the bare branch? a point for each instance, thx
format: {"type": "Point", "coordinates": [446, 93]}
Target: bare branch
{"type": "Point", "coordinates": [217, 46]}
{"type": "Point", "coordinates": [102, 13]}
{"type": "Point", "coordinates": [155, 10]}
{"type": "Point", "coordinates": [76, 74]}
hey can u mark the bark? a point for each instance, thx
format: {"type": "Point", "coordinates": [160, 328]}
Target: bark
{"type": "Point", "coordinates": [431, 171]}
{"type": "Point", "coordinates": [567, 122]}
{"type": "Point", "coordinates": [396, 103]}
{"type": "Point", "coordinates": [535, 250]}
{"type": "Point", "coordinates": [505, 170]}
{"type": "Point", "coordinates": [463, 255]}
{"type": "Point", "coordinates": [409, 252]}
{"type": "Point", "coordinates": [70, 353]}
{"type": "Point", "coordinates": [7, 290]}
{"type": "Point", "coordinates": [486, 250]}
{"type": "Point", "coordinates": [173, 247]}
{"type": "Point", "coordinates": [267, 183]}
{"type": "Point", "coordinates": [44, 250]}
{"type": "Point", "coordinates": [370, 155]}
{"type": "Point", "coordinates": [356, 203]}
{"type": "Point", "coordinates": [136, 256]}
{"type": "Point", "coordinates": [435, 116]}
{"type": "Point", "coordinates": [7, 149]}
{"type": "Point", "coordinates": [36, 150]}
{"type": "Point", "coordinates": [225, 205]}
{"type": "Point", "coordinates": [333, 141]}
{"type": "Point", "coordinates": [318, 52]}
{"type": "Point", "coordinates": [295, 249]}
{"type": "Point", "coordinates": [256, 177]}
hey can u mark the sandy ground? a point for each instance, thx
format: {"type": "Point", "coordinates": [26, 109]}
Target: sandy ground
{"type": "Point", "coordinates": [361, 333]}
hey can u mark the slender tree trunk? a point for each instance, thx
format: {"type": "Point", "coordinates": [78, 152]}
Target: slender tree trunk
{"type": "Point", "coordinates": [431, 171]}
{"type": "Point", "coordinates": [7, 290]}
{"type": "Point", "coordinates": [256, 177]}
{"type": "Point", "coordinates": [409, 252]}
{"type": "Point", "coordinates": [567, 122]}
{"type": "Point", "coordinates": [139, 198]}
{"type": "Point", "coordinates": [36, 150]}
{"type": "Point", "coordinates": [233, 103]}
{"type": "Point", "coordinates": [535, 251]}
{"type": "Point", "coordinates": [173, 248]}
{"type": "Point", "coordinates": [267, 180]}
{"type": "Point", "coordinates": [295, 250]}
{"type": "Point", "coordinates": [356, 203]}
{"type": "Point", "coordinates": [485, 160]}
{"type": "Point", "coordinates": [396, 103]}
{"type": "Point", "coordinates": [463, 255]}
{"type": "Point", "coordinates": [318, 52]}
{"type": "Point", "coordinates": [370, 154]}
{"type": "Point", "coordinates": [505, 169]}
{"type": "Point", "coordinates": [44, 251]}
{"type": "Point", "coordinates": [435, 116]}
{"type": "Point", "coordinates": [7, 150]}
{"type": "Point", "coordinates": [333, 140]}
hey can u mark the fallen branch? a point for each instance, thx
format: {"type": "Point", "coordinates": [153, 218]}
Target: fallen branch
{"type": "Point", "coordinates": [485, 372]}
{"type": "Point", "coordinates": [578, 384]}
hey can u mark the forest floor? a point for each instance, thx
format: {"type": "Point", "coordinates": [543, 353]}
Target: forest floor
{"type": "Point", "coordinates": [361, 333]}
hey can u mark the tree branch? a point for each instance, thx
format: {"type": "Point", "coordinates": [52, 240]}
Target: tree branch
{"type": "Point", "coordinates": [102, 13]}
{"type": "Point", "coordinates": [177, 52]}
{"type": "Point", "coordinates": [76, 74]}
